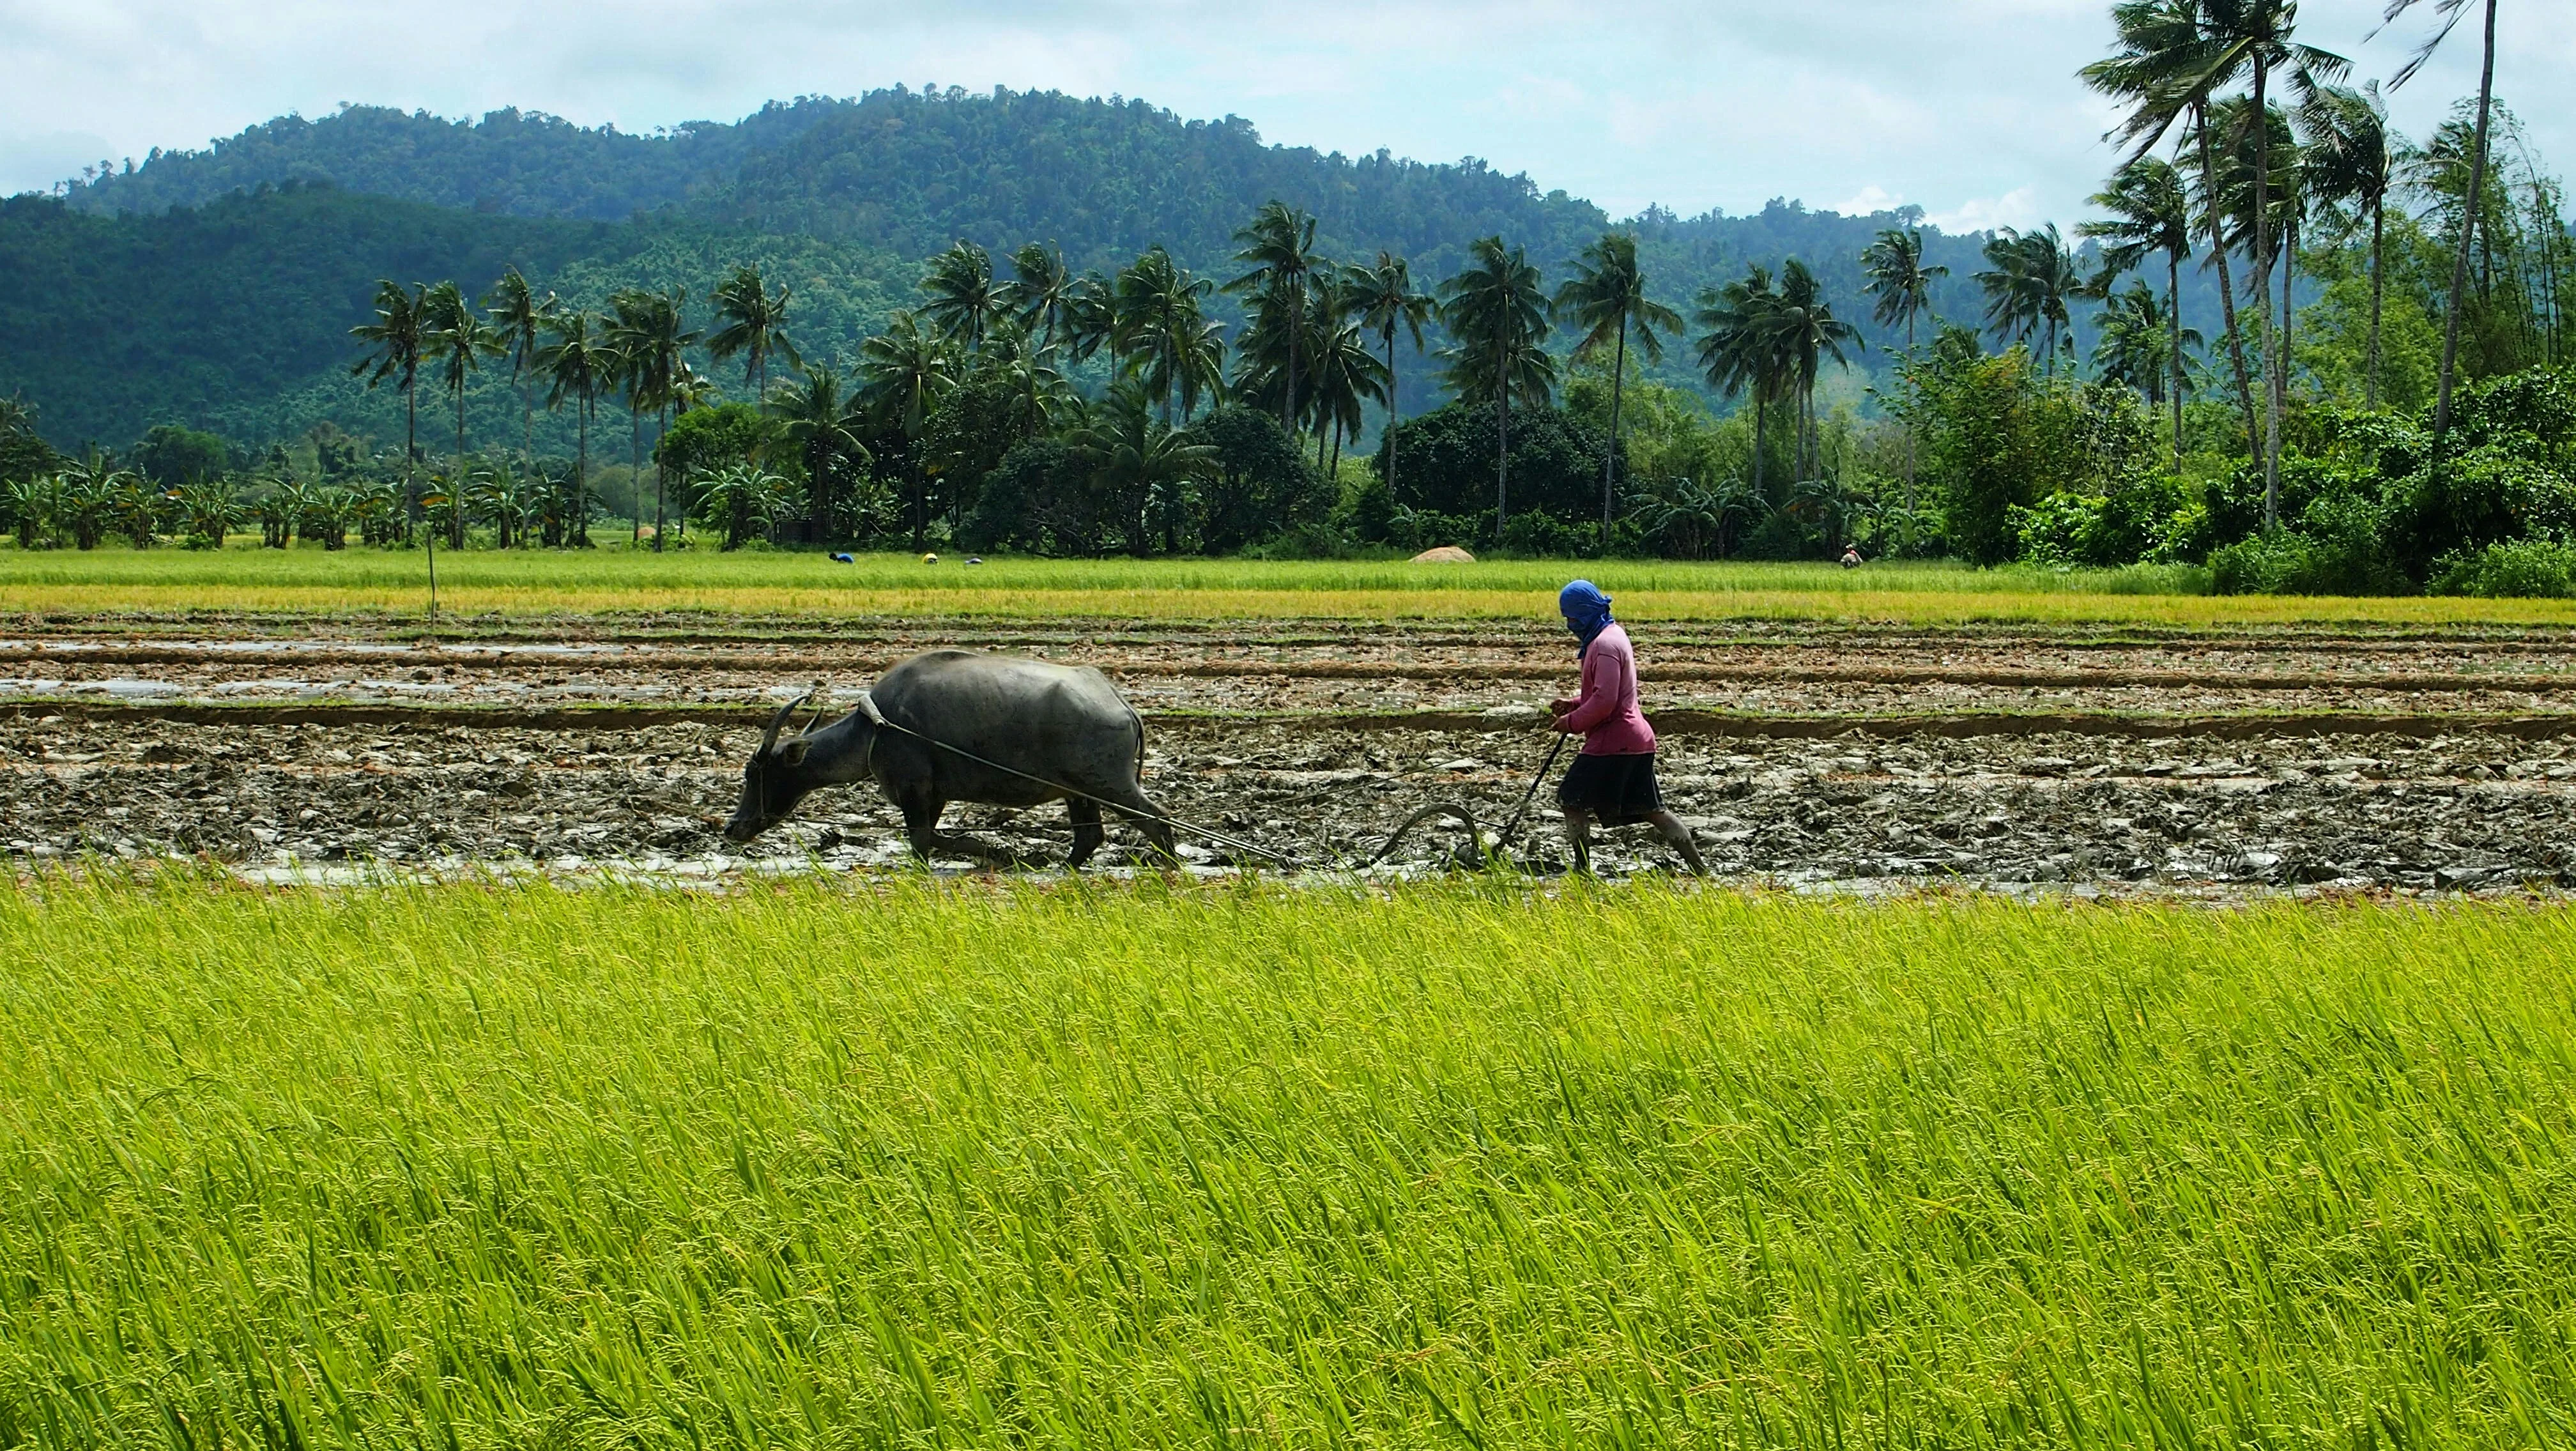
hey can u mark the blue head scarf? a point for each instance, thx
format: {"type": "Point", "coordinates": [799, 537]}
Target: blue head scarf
{"type": "Point", "coordinates": [1586, 610]}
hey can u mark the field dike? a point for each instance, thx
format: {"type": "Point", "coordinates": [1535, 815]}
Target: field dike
{"type": "Point", "coordinates": [1714, 724]}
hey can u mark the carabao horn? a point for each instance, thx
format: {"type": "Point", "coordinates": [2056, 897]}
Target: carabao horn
{"type": "Point", "coordinates": [769, 737]}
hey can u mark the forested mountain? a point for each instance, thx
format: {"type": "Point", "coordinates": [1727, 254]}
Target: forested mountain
{"type": "Point", "coordinates": [517, 163]}
{"type": "Point", "coordinates": [183, 291]}
{"type": "Point", "coordinates": [111, 325]}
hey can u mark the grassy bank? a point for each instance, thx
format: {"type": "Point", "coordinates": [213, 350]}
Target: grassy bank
{"type": "Point", "coordinates": [1091, 1166]}
{"type": "Point", "coordinates": [810, 585]}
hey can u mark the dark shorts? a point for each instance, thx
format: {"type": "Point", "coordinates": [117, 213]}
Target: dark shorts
{"type": "Point", "coordinates": [1616, 790]}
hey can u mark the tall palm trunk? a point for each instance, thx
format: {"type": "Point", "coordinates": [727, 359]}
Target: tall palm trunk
{"type": "Point", "coordinates": [1296, 320]}
{"type": "Point", "coordinates": [576, 510]}
{"type": "Point", "coordinates": [1910, 444]}
{"type": "Point", "coordinates": [662, 430]}
{"type": "Point", "coordinates": [2378, 229]}
{"type": "Point", "coordinates": [2263, 288]}
{"type": "Point", "coordinates": [2173, 317]}
{"type": "Point", "coordinates": [1502, 438]}
{"type": "Point", "coordinates": [1757, 443]}
{"type": "Point", "coordinates": [2226, 284]}
{"type": "Point", "coordinates": [456, 487]}
{"type": "Point", "coordinates": [1610, 457]}
{"type": "Point", "coordinates": [635, 472]}
{"type": "Point", "coordinates": [2468, 225]}
{"type": "Point", "coordinates": [1391, 397]}
{"type": "Point", "coordinates": [2289, 324]}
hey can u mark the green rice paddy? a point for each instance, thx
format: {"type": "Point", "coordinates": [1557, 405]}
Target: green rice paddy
{"type": "Point", "coordinates": [1097, 1165]}
{"type": "Point", "coordinates": [369, 582]}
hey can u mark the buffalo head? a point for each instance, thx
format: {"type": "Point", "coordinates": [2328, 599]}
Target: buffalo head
{"type": "Point", "coordinates": [778, 776]}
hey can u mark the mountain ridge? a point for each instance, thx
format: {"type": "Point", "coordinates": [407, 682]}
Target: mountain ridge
{"type": "Point", "coordinates": [838, 191]}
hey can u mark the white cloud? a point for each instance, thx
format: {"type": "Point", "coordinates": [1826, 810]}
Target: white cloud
{"type": "Point", "coordinates": [1869, 199]}
{"type": "Point", "coordinates": [2019, 207]}
{"type": "Point", "coordinates": [1687, 103]}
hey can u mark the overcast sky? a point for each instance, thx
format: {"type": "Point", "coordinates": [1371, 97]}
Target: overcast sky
{"type": "Point", "coordinates": [1968, 108]}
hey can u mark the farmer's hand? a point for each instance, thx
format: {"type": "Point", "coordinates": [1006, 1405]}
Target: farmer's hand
{"type": "Point", "coordinates": [1561, 705]}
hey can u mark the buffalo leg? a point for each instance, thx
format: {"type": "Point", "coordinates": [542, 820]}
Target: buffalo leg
{"type": "Point", "coordinates": [1087, 835]}
{"type": "Point", "coordinates": [1150, 819]}
{"type": "Point", "coordinates": [921, 827]}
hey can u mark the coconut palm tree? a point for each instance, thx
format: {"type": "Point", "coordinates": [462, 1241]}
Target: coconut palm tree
{"type": "Point", "coordinates": [1026, 365]}
{"type": "Point", "coordinates": [459, 341]}
{"type": "Point", "coordinates": [965, 301]}
{"type": "Point", "coordinates": [519, 320]}
{"type": "Point", "coordinates": [1902, 283]}
{"type": "Point", "coordinates": [2169, 68]}
{"type": "Point", "coordinates": [2183, 54]}
{"type": "Point", "coordinates": [2260, 32]}
{"type": "Point", "coordinates": [1161, 331]}
{"type": "Point", "coordinates": [907, 369]}
{"type": "Point", "coordinates": [2136, 332]}
{"type": "Point", "coordinates": [1497, 310]}
{"type": "Point", "coordinates": [1899, 279]}
{"type": "Point", "coordinates": [2449, 13]}
{"type": "Point", "coordinates": [1271, 336]}
{"type": "Point", "coordinates": [1143, 462]}
{"type": "Point", "coordinates": [578, 365]}
{"type": "Point", "coordinates": [751, 320]}
{"type": "Point", "coordinates": [1381, 298]}
{"type": "Point", "coordinates": [1279, 250]}
{"type": "Point", "coordinates": [827, 426]}
{"type": "Point", "coordinates": [1807, 329]}
{"type": "Point", "coordinates": [649, 335]}
{"type": "Point", "coordinates": [1606, 298]}
{"type": "Point", "coordinates": [746, 497]}
{"type": "Point", "coordinates": [1090, 316]}
{"type": "Point", "coordinates": [1740, 349]}
{"type": "Point", "coordinates": [1039, 293]}
{"type": "Point", "coordinates": [2029, 281]}
{"type": "Point", "coordinates": [2352, 160]}
{"type": "Point", "coordinates": [1346, 378]}
{"type": "Point", "coordinates": [397, 343]}
{"type": "Point", "coordinates": [2149, 213]}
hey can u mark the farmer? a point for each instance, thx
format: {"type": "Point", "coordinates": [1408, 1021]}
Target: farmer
{"type": "Point", "coordinates": [1613, 778]}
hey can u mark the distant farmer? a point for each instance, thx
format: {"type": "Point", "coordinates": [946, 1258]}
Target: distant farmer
{"type": "Point", "coordinates": [1851, 556]}
{"type": "Point", "coordinates": [1613, 778]}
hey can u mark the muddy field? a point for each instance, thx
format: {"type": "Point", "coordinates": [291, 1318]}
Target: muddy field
{"type": "Point", "coordinates": [2421, 763]}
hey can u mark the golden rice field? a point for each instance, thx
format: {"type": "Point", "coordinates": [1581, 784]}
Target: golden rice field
{"type": "Point", "coordinates": [1092, 1165]}
{"type": "Point", "coordinates": [617, 580]}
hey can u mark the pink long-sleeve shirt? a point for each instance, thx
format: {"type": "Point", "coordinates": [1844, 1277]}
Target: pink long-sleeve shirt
{"type": "Point", "coordinates": [1606, 712]}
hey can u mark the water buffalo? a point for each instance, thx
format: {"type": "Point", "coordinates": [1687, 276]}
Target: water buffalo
{"type": "Point", "coordinates": [1066, 724]}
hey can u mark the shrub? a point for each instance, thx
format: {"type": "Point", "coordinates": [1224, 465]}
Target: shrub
{"type": "Point", "coordinates": [2060, 529]}
{"type": "Point", "coordinates": [1262, 485]}
{"type": "Point", "coordinates": [2336, 550]}
{"type": "Point", "coordinates": [2485, 495]}
{"type": "Point", "coordinates": [1445, 463]}
{"type": "Point", "coordinates": [1040, 498]}
{"type": "Point", "coordinates": [2520, 569]}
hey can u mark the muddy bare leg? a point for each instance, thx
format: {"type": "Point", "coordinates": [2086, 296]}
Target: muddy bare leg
{"type": "Point", "coordinates": [1578, 835]}
{"type": "Point", "coordinates": [1087, 835]}
{"type": "Point", "coordinates": [1678, 837]}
